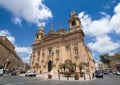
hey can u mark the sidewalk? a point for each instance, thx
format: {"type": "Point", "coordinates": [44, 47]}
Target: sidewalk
{"type": "Point", "coordinates": [55, 77]}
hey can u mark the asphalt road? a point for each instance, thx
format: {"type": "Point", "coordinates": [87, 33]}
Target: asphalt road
{"type": "Point", "coordinates": [20, 80]}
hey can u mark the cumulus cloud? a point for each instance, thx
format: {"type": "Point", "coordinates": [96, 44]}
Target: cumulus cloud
{"type": "Point", "coordinates": [33, 11]}
{"type": "Point", "coordinates": [23, 52]}
{"type": "Point", "coordinates": [100, 29]}
{"type": "Point", "coordinates": [17, 21]}
{"type": "Point", "coordinates": [115, 20]}
{"type": "Point", "coordinates": [27, 59]}
{"type": "Point", "coordinates": [9, 36]}
{"type": "Point", "coordinates": [96, 27]}
{"type": "Point", "coordinates": [104, 44]}
{"type": "Point", "coordinates": [27, 50]}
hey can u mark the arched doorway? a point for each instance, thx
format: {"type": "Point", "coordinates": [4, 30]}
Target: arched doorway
{"type": "Point", "coordinates": [49, 66]}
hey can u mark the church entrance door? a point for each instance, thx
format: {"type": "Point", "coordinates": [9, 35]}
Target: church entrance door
{"type": "Point", "coordinates": [49, 66]}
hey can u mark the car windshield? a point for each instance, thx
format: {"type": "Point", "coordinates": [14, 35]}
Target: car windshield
{"type": "Point", "coordinates": [97, 72]}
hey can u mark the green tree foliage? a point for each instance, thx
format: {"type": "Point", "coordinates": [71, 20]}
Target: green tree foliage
{"type": "Point", "coordinates": [105, 58]}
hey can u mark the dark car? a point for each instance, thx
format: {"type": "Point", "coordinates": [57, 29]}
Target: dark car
{"type": "Point", "coordinates": [106, 72]}
{"type": "Point", "coordinates": [98, 74]}
{"type": "Point", "coordinates": [14, 73]}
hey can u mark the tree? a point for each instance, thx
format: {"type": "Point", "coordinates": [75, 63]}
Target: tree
{"type": "Point", "coordinates": [105, 58]}
{"type": "Point", "coordinates": [62, 66]}
{"type": "Point", "coordinates": [80, 68]}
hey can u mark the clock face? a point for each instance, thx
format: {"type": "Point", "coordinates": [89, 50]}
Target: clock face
{"type": "Point", "coordinates": [73, 23]}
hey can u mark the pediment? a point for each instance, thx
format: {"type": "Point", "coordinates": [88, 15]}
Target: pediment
{"type": "Point", "coordinates": [51, 36]}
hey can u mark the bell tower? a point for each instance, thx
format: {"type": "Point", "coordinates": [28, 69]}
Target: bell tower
{"type": "Point", "coordinates": [74, 22]}
{"type": "Point", "coordinates": [39, 34]}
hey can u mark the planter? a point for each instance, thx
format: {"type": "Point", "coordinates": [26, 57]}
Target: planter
{"type": "Point", "coordinates": [49, 76]}
{"type": "Point", "coordinates": [76, 77]}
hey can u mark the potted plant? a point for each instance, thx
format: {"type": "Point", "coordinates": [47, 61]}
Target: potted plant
{"type": "Point", "coordinates": [76, 77]}
{"type": "Point", "coordinates": [49, 76]}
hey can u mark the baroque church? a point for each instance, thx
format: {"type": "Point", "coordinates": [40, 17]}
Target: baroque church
{"type": "Point", "coordinates": [55, 48]}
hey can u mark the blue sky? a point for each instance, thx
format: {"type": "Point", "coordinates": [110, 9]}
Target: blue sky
{"type": "Point", "coordinates": [100, 20]}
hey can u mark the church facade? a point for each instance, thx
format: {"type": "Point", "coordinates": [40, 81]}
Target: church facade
{"type": "Point", "coordinates": [53, 49]}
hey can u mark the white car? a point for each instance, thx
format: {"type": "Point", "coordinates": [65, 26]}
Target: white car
{"type": "Point", "coordinates": [1, 72]}
{"type": "Point", "coordinates": [118, 73]}
{"type": "Point", "coordinates": [30, 74]}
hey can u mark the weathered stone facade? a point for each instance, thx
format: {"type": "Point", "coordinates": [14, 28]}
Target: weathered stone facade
{"type": "Point", "coordinates": [52, 49]}
{"type": "Point", "coordinates": [115, 61]}
{"type": "Point", "coordinates": [8, 57]}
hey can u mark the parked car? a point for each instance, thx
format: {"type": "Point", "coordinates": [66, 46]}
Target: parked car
{"type": "Point", "coordinates": [114, 72]}
{"type": "Point", "coordinates": [98, 74]}
{"type": "Point", "coordinates": [30, 74]}
{"type": "Point", "coordinates": [13, 73]}
{"type": "Point", "coordinates": [22, 72]}
{"type": "Point", "coordinates": [106, 72]}
{"type": "Point", "coordinates": [1, 72]}
{"type": "Point", "coordinates": [118, 73]}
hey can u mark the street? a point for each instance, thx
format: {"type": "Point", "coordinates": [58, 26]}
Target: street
{"type": "Point", "coordinates": [21, 80]}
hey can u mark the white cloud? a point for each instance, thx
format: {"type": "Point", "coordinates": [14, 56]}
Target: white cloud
{"type": "Point", "coordinates": [23, 52]}
{"type": "Point", "coordinates": [104, 44]}
{"type": "Point", "coordinates": [26, 59]}
{"type": "Point", "coordinates": [9, 36]}
{"type": "Point", "coordinates": [27, 50]}
{"type": "Point", "coordinates": [33, 11]}
{"type": "Point", "coordinates": [100, 29]}
{"type": "Point", "coordinates": [86, 21]}
{"type": "Point", "coordinates": [96, 27]}
{"type": "Point", "coordinates": [115, 20]}
{"type": "Point", "coordinates": [17, 20]}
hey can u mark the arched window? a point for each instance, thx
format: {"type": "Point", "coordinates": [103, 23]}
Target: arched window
{"type": "Point", "coordinates": [37, 36]}
{"type": "Point", "coordinates": [76, 51]}
{"type": "Point", "coordinates": [38, 56]}
{"type": "Point", "coordinates": [57, 53]}
{"type": "Point", "coordinates": [43, 54]}
{"type": "Point", "coordinates": [50, 51]}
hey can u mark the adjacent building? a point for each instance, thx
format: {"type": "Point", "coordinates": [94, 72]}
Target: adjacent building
{"type": "Point", "coordinates": [101, 66]}
{"type": "Point", "coordinates": [115, 61]}
{"type": "Point", "coordinates": [9, 60]}
{"type": "Point", "coordinates": [55, 48]}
